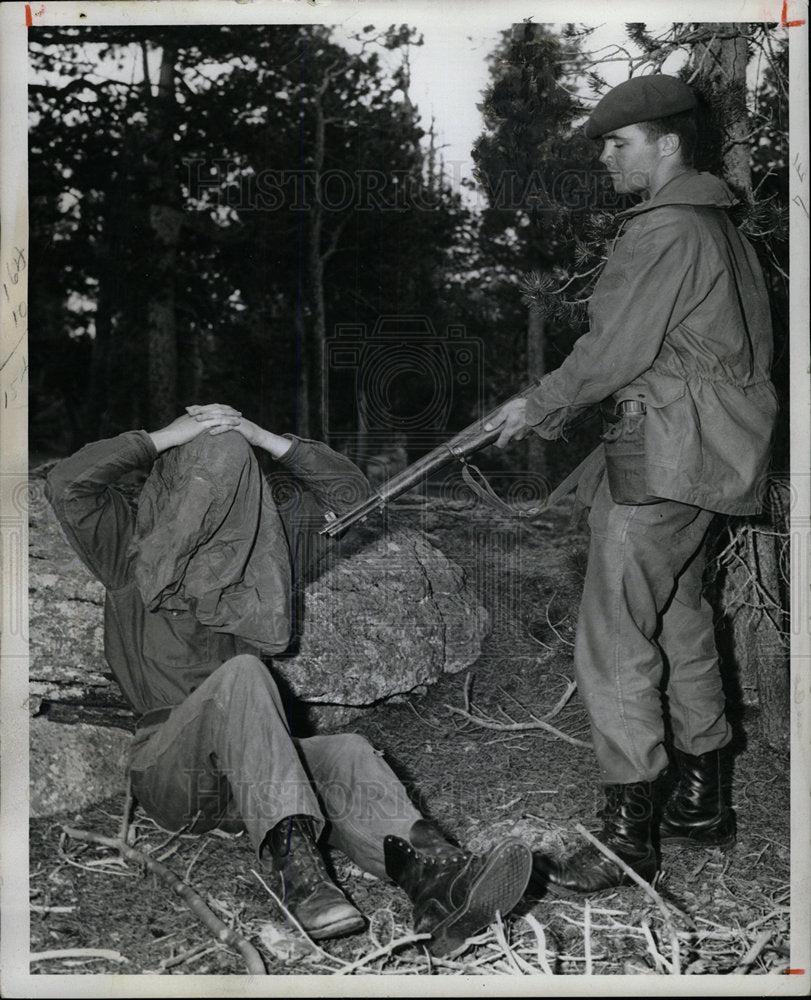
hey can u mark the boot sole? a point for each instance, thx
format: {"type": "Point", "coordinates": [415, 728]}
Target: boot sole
{"type": "Point", "coordinates": [498, 888]}
{"type": "Point", "coordinates": [562, 892]}
{"type": "Point", "coordinates": [338, 928]}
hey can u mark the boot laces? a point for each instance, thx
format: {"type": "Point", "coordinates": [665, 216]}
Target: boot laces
{"type": "Point", "coordinates": [302, 864]}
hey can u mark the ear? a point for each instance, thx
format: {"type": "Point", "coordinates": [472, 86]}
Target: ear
{"type": "Point", "coordinates": [669, 144]}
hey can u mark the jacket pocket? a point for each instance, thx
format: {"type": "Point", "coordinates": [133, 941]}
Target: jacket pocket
{"type": "Point", "coordinates": [177, 640]}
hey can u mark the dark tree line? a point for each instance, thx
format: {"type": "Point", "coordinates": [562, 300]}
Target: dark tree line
{"type": "Point", "coordinates": [201, 232]}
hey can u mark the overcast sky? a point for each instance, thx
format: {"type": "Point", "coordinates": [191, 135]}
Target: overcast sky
{"type": "Point", "coordinates": [450, 71]}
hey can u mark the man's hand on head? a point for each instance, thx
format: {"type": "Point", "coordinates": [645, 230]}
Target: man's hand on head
{"type": "Point", "coordinates": [186, 427]}
{"type": "Point", "coordinates": [229, 419]}
{"type": "Point", "coordinates": [511, 419]}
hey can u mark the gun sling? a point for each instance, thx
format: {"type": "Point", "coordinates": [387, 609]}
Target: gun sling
{"type": "Point", "coordinates": [475, 480]}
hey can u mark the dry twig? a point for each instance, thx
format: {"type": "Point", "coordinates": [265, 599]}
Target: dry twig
{"type": "Point", "coordinates": [757, 947]}
{"type": "Point", "coordinates": [221, 932]}
{"type": "Point", "coordinates": [518, 726]}
{"type": "Point", "coordinates": [540, 936]}
{"type": "Point", "coordinates": [44, 956]}
{"type": "Point", "coordinates": [381, 952]}
{"type": "Point", "coordinates": [664, 908]}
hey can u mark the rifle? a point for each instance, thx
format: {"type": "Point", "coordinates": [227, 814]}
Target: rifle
{"type": "Point", "coordinates": [466, 442]}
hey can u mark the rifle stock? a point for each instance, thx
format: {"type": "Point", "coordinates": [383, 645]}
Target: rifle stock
{"type": "Point", "coordinates": [473, 438]}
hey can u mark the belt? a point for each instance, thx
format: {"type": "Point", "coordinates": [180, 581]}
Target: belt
{"type": "Point", "coordinates": [154, 717]}
{"type": "Point", "coordinates": [630, 406]}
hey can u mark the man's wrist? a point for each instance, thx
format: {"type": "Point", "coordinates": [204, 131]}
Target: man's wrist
{"type": "Point", "coordinates": [162, 440]}
{"type": "Point", "coordinates": [272, 443]}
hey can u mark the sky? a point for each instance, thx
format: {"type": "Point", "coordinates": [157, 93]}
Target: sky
{"type": "Point", "coordinates": [450, 71]}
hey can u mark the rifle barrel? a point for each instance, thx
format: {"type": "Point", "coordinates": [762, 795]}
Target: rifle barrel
{"type": "Point", "coordinates": [466, 442]}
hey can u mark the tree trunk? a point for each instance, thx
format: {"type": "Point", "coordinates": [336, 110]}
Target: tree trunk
{"type": "Point", "coordinates": [165, 221]}
{"type": "Point", "coordinates": [536, 336]}
{"type": "Point", "coordinates": [315, 270]}
{"type": "Point", "coordinates": [721, 62]}
{"type": "Point", "coordinates": [768, 644]}
{"type": "Point", "coordinates": [303, 387]}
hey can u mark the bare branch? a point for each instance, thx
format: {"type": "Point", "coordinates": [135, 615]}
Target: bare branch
{"type": "Point", "coordinates": [518, 727]}
{"type": "Point", "coordinates": [253, 960]}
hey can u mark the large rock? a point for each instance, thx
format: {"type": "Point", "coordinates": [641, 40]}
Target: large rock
{"type": "Point", "coordinates": [394, 615]}
{"type": "Point", "coordinates": [71, 767]}
{"type": "Point", "coordinates": [390, 614]}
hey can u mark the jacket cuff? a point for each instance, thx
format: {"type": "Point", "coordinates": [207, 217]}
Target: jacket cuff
{"type": "Point", "coordinates": [290, 455]}
{"type": "Point", "coordinates": [547, 410]}
{"type": "Point", "coordinates": [146, 440]}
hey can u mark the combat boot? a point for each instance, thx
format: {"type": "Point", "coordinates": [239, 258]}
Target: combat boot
{"type": "Point", "coordinates": [455, 894]}
{"type": "Point", "coordinates": [698, 813]}
{"type": "Point", "coordinates": [627, 822]}
{"type": "Point", "coordinates": [307, 890]}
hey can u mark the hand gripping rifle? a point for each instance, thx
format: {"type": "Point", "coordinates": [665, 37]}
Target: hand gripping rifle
{"type": "Point", "coordinates": [466, 442]}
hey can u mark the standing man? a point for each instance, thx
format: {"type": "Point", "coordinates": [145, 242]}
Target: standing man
{"type": "Point", "coordinates": [198, 585]}
{"type": "Point", "coordinates": [679, 352]}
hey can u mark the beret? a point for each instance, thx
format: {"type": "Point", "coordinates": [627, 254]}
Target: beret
{"type": "Point", "coordinates": [640, 99]}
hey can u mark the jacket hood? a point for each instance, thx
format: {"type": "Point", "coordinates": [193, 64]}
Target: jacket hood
{"type": "Point", "coordinates": [689, 188]}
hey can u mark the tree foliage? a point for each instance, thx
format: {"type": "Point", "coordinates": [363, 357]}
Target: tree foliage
{"type": "Point", "coordinates": [207, 205]}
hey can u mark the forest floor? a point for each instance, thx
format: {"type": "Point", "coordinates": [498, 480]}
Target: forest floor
{"type": "Point", "coordinates": [712, 912]}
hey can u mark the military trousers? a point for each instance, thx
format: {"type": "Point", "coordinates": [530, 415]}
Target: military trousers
{"type": "Point", "coordinates": [645, 641]}
{"type": "Point", "coordinates": [225, 758]}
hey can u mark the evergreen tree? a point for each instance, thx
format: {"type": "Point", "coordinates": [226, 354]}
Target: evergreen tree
{"type": "Point", "coordinates": [208, 205]}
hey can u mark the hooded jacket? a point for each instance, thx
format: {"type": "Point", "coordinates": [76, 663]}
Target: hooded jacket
{"type": "Point", "coordinates": [204, 571]}
{"type": "Point", "coordinates": [679, 320]}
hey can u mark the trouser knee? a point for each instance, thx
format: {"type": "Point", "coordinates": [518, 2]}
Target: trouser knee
{"type": "Point", "coordinates": [245, 670]}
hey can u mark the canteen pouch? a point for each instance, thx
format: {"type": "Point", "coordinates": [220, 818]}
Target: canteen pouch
{"type": "Point", "coordinates": [624, 442]}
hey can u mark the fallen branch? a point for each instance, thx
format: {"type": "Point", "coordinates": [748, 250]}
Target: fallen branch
{"type": "Point", "coordinates": [658, 958]}
{"type": "Point", "coordinates": [316, 947]}
{"type": "Point", "coordinates": [253, 960]}
{"type": "Point", "coordinates": [587, 937]}
{"type": "Point", "coordinates": [519, 727]}
{"type": "Point", "coordinates": [185, 956]}
{"type": "Point", "coordinates": [540, 937]}
{"type": "Point", "coordinates": [44, 956]}
{"type": "Point", "coordinates": [521, 967]}
{"type": "Point", "coordinates": [571, 687]}
{"type": "Point", "coordinates": [381, 952]}
{"type": "Point", "coordinates": [757, 947]}
{"type": "Point", "coordinates": [501, 937]}
{"type": "Point", "coordinates": [645, 886]}
{"type": "Point", "coordinates": [126, 815]}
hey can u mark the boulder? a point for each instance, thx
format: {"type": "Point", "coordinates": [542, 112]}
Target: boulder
{"type": "Point", "coordinates": [71, 767]}
{"type": "Point", "coordinates": [391, 617]}
{"type": "Point", "coordinates": [390, 613]}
